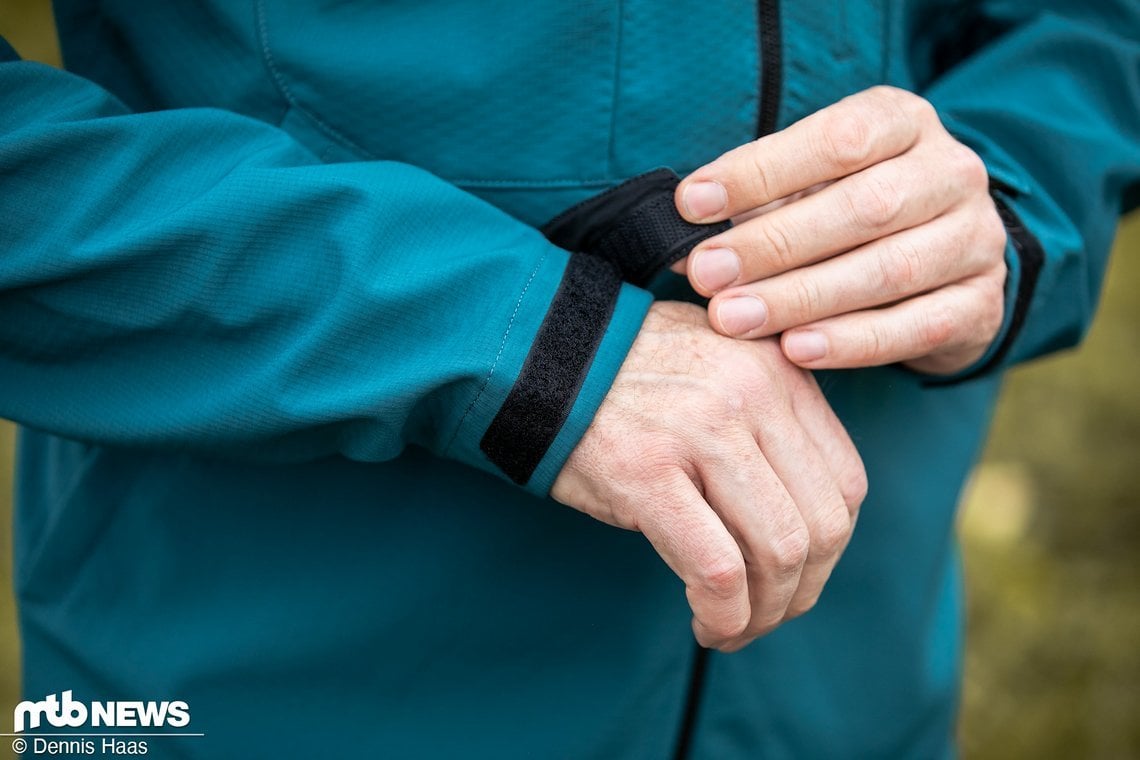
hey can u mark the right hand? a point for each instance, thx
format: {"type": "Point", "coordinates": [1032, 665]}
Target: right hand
{"type": "Point", "coordinates": [729, 460]}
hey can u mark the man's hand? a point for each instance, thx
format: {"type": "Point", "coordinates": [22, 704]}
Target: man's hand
{"type": "Point", "coordinates": [865, 234]}
{"type": "Point", "coordinates": [730, 461]}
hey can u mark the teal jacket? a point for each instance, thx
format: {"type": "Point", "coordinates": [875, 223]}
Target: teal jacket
{"type": "Point", "coordinates": [269, 270]}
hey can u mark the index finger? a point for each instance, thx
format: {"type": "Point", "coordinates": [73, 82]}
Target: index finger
{"type": "Point", "coordinates": [846, 137]}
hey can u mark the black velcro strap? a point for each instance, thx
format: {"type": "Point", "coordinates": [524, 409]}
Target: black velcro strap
{"type": "Point", "coordinates": [635, 225]}
{"type": "Point", "coordinates": [554, 370]}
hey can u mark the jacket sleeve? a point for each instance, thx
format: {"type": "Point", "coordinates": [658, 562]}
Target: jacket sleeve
{"type": "Point", "coordinates": [1048, 93]}
{"type": "Point", "coordinates": [197, 280]}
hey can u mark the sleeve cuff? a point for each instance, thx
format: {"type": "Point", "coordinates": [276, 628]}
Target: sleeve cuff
{"type": "Point", "coordinates": [555, 368]}
{"type": "Point", "coordinates": [571, 328]}
{"type": "Point", "coordinates": [625, 323]}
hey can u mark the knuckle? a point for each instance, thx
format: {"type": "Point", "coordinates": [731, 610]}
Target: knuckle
{"type": "Point", "coordinates": [722, 579]}
{"type": "Point", "coordinates": [969, 167]}
{"type": "Point", "coordinates": [789, 553]}
{"type": "Point", "coordinates": [938, 326]}
{"type": "Point", "coordinates": [846, 137]}
{"type": "Point", "coordinates": [886, 93]}
{"type": "Point", "coordinates": [902, 101]}
{"type": "Point", "coordinates": [919, 107]}
{"type": "Point", "coordinates": [898, 104]}
{"type": "Point", "coordinates": [853, 487]}
{"type": "Point", "coordinates": [900, 268]}
{"type": "Point", "coordinates": [778, 246]}
{"type": "Point", "coordinates": [758, 179]}
{"type": "Point", "coordinates": [875, 204]}
{"type": "Point", "coordinates": [830, 534]}
{"type": "Point", "coordinates": [872, 345]}
{"type": "Point", "coordinates": [806, 299]}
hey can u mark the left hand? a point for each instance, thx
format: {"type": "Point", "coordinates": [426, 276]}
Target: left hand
{"type": "Point", "coordinates": [865, 234]}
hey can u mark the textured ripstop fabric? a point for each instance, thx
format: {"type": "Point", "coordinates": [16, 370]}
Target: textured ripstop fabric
{"type": "Point", "coordinates": [449, 102]}
{"type": "Point", "coordinates": [427, 609]}
{"type": "Point", "coordinates": [635, 225]}
{"type": "Point", "coordinates": [308, 301]}
{"type": "Point", "coordinates": [554, 370]}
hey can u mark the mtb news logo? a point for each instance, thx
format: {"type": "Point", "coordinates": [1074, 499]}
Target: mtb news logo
{"type": "Point", "coordinates": [61, 711]}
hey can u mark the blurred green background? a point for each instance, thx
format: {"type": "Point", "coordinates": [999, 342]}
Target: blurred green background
{"type": "Point", "coordinates": [1050, 529]}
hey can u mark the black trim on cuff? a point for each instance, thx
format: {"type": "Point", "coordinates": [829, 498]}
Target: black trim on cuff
{"type": "Point", "coordinates": [1032, 258]}
{"type": "Point", "coordinates": [555, 368]}
{"type": "Point", "coordinates": [635, 225]}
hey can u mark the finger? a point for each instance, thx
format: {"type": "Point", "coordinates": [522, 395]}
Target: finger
{"type": "Point", "coordinates": [891, 196]}
{"type": "Point", "coordinates": [681, 265]}
{"type": "Point", "coordinates": [695, 544]}
{"type": "Point", "coordinates": [811, 484]}
{"type": "Point", "coordinates": [763, 518]}
{"type": "Point", "coordinates": [858, 131]}
{"type": "Point", "coordinates": [952, 325]}
{"type": "Point", "coordinates": [767, 207]}
{"type": "Point", "coordinates": [881, 272]}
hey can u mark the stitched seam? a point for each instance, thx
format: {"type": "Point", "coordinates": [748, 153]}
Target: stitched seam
{"type": "Point", "coordinates": [283, 89]}
{"type": "Point", "coordinates": [267, 56]}
{"type": "Point", "coordinates": [535, 411]}
{"type": "Point", "coordinates": [499, 355]}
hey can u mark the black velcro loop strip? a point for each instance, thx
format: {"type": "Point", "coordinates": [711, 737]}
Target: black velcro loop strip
{"type": "Point", "coordinates": [635, 225]}
{"type": "Point", "coordinates": [554, 370]}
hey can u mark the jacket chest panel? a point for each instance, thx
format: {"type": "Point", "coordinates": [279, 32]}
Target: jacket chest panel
{"type": "Point", "coordinates": [831, 50]}
{"type": "Point", "coordinates": [516, 93]}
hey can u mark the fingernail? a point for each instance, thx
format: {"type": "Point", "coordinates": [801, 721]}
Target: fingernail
{"type": "Point", "coordinates": [704, 199]}
{"type": "Point", "coordinates": [741, 314]}
{"type": "Point", "coordinates": [716, 268]}
{"type": "Point", "coordinates": [805, 346]}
